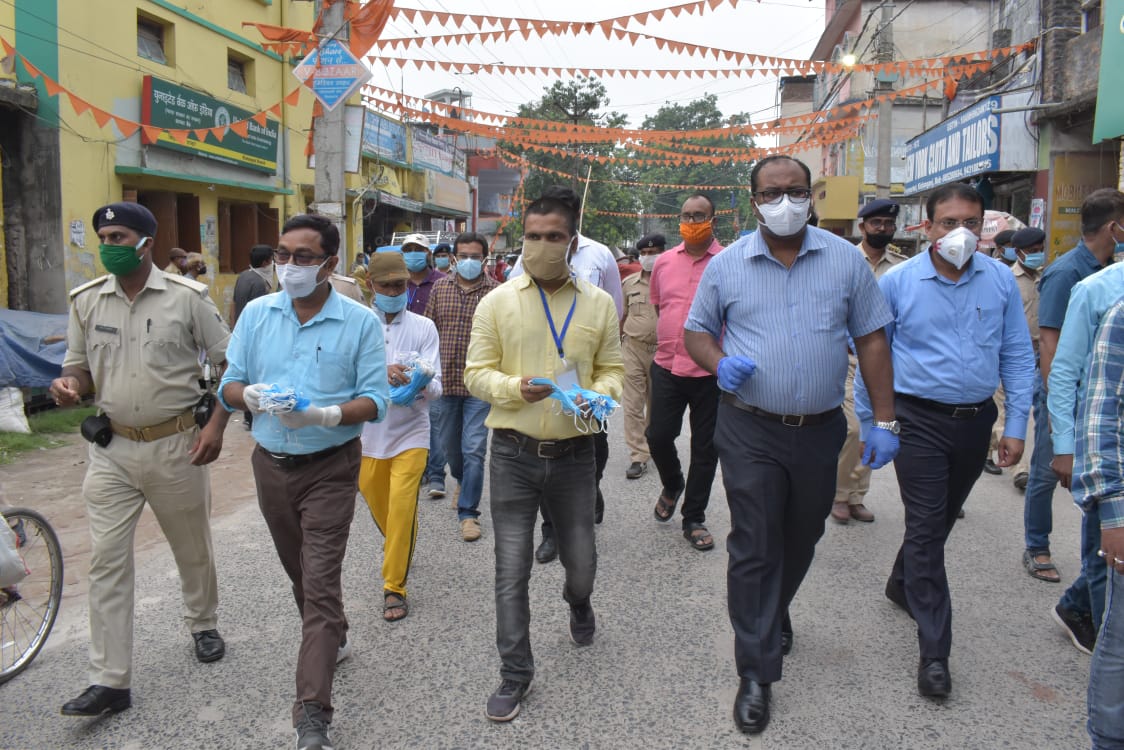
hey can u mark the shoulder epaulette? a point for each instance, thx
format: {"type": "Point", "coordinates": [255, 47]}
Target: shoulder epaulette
{"type": "Point", "coordinates": [195, 286]}
{"type": "Point", "coordinates": [88, 285]}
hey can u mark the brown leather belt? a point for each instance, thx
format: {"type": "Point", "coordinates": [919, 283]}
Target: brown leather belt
{"type": "Point", "coordinates": [548, 449]}
{"type": "Point", "coordinates": [788, 420]}
{"type": "Point", "coordinates": [180, 423]}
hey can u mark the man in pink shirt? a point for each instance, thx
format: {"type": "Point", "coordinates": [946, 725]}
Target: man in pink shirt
{"type": "Point", "coordinates": [677, 382]}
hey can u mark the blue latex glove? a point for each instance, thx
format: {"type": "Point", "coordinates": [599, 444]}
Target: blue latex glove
{"type": "Point", "coordinates": [883, 445]}
{"type": "Point", "coordinates": [733, 371]}
{"type": "Point", "coordinates": [404, 395]}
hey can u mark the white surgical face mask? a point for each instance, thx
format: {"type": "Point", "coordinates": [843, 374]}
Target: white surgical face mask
{"type": "Point", "coordinates": [266, 272]}
{"type": "Point", "coordinates": [784, 218]}
{"type": "Point", "coordinates": [298, 281]}
{"type": "Point", "coordinates": [648, 262]}
{"type": "Point", "coordinates": [957, 247]}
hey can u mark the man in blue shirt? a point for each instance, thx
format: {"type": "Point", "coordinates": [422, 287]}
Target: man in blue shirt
{"type": "Point", "coordinates": [958, 329]}
{"type": "Point", "coordinates": [1078, 611]}
{"type": "Point", "coordinates": [1098, 486]}
{"type": "Point", "coordinates": [329, 350]}
{"type": "Point", "coordinates": [782, 302]}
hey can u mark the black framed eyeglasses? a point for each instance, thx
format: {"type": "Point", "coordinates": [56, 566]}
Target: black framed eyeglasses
{"type": "Point", "coordinates": [951, 224]}
{"type": "Point", "coordinates": [773, 195]}
{"type": "Point", "coordinates": [698, 217]}
{"type": "Point", "coordinates": [301, 259]}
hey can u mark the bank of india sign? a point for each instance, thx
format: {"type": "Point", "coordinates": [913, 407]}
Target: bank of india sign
{"type": "Point", "coordinates": [964, 145]}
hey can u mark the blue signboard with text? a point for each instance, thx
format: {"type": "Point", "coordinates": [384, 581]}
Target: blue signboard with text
{"type": "Point", "coordinates": [335, 73]}
{"type": "Point", "coordinates": [964, 145]}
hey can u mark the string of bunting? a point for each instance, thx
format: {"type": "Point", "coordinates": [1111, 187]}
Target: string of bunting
{"type": "Point", "coordinates": [150, 133]}
{"type": "Point", "coordinates": [517, 162]}
{"type": "Point", "coordinates": [634, 214]}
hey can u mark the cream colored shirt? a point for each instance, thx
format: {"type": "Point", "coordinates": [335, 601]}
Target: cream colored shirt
{"type": "Point", "coordinates": [640, 316]}
{"type": "Point", "coordinates": [890, 258]}
{"type": "Point", "coordinates": [143, 355]}
{"type": "Point", "coordinates": [348, 287]}
{"type": "Point", "coordinates": [511, 339]}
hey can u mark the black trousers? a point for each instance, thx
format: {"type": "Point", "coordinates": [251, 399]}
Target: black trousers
{"type": "Point", "coordinates": [941, 458]}
{"type": "Point", "coordinates": [601, 458]}
{"type": "Point", "coordinates": [780, 482]}
{"type": "Point", "coordinates": [671, 395]}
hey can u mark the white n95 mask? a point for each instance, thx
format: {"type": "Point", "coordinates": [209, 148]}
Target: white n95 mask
{"type": "Point", "coordinates": [785, 218]}
{"type": "Point", "coordinates": [957, 247]}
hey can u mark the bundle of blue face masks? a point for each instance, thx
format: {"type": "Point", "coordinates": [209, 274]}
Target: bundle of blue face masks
{"type": "Point", "coordinates": [592, 415]}
{"type": "Point", "coordinates": [277, 400]}
{"type": "Point", "coordinates": [421, 372]}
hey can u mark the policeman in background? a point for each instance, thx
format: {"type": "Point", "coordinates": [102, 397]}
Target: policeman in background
{"type": "Point", "coordinates": [638, 347]}
{"type": "Point", "coordinates": [134, 338]}
{"type": "Point", "coordinates": [878, 221]}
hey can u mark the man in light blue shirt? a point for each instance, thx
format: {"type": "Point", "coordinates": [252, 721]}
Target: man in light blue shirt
{"type": "Point", "coordinates": [958, 329]}
{"type": "Point", "coordinates": [782, 302]}
{"type": "Point", "coordinates": [329, 350]}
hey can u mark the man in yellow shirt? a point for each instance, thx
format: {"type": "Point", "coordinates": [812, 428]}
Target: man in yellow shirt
{"type": "Point", "coordinates": [545, 323]}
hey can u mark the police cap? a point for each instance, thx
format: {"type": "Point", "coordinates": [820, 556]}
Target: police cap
{"type": "Point", "coordinates": [880, 207]}
{"type": "Point", "coordinates": [1028, 237]}
{"type": "Point", "coordinates": [131, 215]}
{"type": "Point", "coordinates": [651, 240]}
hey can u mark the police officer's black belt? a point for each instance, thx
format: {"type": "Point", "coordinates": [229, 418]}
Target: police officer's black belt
{"type": "Point", "coordinates": [788, 420]}
{"type": "Point", "coordinates": [956, 411]}
{"type": "Point", "coordinates": [290, 461]}
{"type": "Point", "coordinates": [543, 448]}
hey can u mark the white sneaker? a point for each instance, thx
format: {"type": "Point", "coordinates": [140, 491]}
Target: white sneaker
{"type": "Point", "coordinates": [344, 651]}
{"type": "Point", "coordinates": [436, 491]}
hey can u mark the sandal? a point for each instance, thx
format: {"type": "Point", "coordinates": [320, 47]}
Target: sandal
{"type": "Point", "coordinates": [392, 602]}
{"type": "Point", "coordinates": [665, 506]}
{"type": "Point", "coordinates": [698, 536]}
{"type": "Point", "coordinates": [1038, 569]}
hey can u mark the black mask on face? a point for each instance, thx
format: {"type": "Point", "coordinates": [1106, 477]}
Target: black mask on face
{"type": "Point", "coordinates": [879, 241]}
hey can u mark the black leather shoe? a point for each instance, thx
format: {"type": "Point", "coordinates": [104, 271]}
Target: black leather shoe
{"type": "Point", "coordinates": [583, 624]}
{"type": "Point", "coordinates": [991, 468]}
{"type": "Point", "coordinates": [897, 595]}
{"type": "Point", "coordinates": [933, 679]}
{"type": "Point", "coordinates": [751, 707]}
{"type": "Point", "coordinates": [97, 699]}
{"type": "Point", "coordinates": [547, 551]}
{"type": "Point", "coordinates": [209, 646]}
{"type": "Point", "coordinates": [636, 470]}
{"type": "Point", "coordinates": [786, 634]}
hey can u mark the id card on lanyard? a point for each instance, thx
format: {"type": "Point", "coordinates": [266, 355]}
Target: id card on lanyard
{"type": "Point", "coordinates": [567, 378]}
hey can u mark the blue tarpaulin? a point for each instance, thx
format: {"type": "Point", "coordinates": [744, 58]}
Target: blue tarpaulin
{"type": "Point", "coordinates": [32, 346]}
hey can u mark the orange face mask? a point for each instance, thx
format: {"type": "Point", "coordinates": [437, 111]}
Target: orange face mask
{"type": "Point", "coordinates": [694, 234]}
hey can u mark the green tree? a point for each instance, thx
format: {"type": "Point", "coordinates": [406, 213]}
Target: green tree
{"type": "Point", "coordinates": [583, 101]}
{"type": "Point", "coordinates": [700, 114]}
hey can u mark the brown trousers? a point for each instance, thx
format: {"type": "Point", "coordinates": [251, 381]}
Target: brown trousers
{"type": "Point", "coordinates": [309, 510]}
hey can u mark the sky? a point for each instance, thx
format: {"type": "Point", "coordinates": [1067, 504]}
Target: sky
{"type": "Point", "coordinates": [780, 28]}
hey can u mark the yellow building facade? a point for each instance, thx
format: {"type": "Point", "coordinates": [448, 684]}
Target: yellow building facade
{"type": "Point", "coordinates": [170, 64]}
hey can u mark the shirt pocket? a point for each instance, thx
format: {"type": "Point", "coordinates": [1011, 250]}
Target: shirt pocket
{"type": "Point", "coordinates": [335, 373]}
{"type": "Point", "coordinates": [636, 302]}
{"type": "Point", "coordinates": [829, 309]}
{"type": "Point", "coordinates": [103, 351]}
{"type": "Point", "coordinates": [985, 324]}
{"type": "Point", "coordinates": [580, 346]}
{"type": "Point", "coordinates": [163, 348]}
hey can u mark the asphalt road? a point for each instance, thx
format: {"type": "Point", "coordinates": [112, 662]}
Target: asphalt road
{"type": "Point", "coordinates": [660, 674]}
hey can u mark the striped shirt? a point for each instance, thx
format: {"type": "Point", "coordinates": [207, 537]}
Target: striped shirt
{"type": "Point", "coordinates": [1098, 463]}
{"type": "Point", "coordinates": [451, 308]}
{"type": "Point", "coordinates": [792, 322]}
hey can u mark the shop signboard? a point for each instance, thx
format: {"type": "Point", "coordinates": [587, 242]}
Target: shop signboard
{"type": "Point", "coordinates": [384, 138]}
{"type": "Point", "coordinates": [332, 72]}
{"type": "Point", "coordinates": [167, 105]}
{"type": "Point", "coordinates": [442, 191]}
{"type": "Point", "coordinates": [432, 152]}
{"type": "Point", "coordinates": [1109, 119]}
{"type": "Point", "coordinates": [964, 145]}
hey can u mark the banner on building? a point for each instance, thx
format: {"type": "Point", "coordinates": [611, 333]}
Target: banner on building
{"type": "Point", "coordinates": [384, 138]}
{"type": "Point", "coordinates": [964, 145]}
{"type": "Point", "coordinates": [1109, 119]}
{"type": "Point", "coordinates": [433, 152]}
{"type": "Point", "coordinates": [166, 105]}
{"type": "Point", "coordinates": [442, 191]}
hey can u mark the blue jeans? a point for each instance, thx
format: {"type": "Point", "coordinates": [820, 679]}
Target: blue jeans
{"type": "Point", "coordinates": [520, 481]}
{"type": "Point", "coordinates": [1038, 508]}
{"type": "Point", "coordinates": [1086, 594]}
{"type": "Point", "coordinates": [435, 468]}
{"type": "Point", "coordinates": [1106, 673]}
{"type": "Point", "coordinates": [464, 440]}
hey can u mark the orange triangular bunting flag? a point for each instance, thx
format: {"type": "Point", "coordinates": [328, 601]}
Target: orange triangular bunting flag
{"type": "Point", "coordinates": [79, 105]}
{"type": "Point", "coordinates": [52, 87]}
{"type": "Point", "coordinates": [101, 117]}
{"type": "Point", "coordinates": [128, 128]}
{"type": "Point", "coordinates": [241, 127]}
{"type": "Point", "coordinates": [151, 133]}
{"type": "Point", "coordinates": [293, 97]}
{"type": "Point", "coordinates": [260, 118]}
{"type": "Point", "coordinates": [180, 136]}
{"type": "Point", "coordinates": [201, 133]}
{"type": "Point", "coordinates": [275, 110]}
{"type": "Point", "coordinates": [32, 71]}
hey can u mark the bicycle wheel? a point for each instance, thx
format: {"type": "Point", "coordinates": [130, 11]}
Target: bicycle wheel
{"type": "Point", "coordinates": [29, 608]}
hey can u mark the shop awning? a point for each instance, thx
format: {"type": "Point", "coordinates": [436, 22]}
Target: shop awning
{"type": "Point", "coordinates": [430, 208]}
{"type": "Point", "coordinates": [146, 172]}
{"type": "Point", "coordinates": [407, 204]}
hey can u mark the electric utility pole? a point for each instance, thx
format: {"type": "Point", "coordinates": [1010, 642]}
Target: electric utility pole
{"type": "Point", "coordinates": [883, 86]}
{"type": "Point", "coordinates": [329, 137]}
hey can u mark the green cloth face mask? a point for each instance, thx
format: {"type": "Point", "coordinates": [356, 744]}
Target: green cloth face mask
{"type": "Point", "coordinates": [121, 260]}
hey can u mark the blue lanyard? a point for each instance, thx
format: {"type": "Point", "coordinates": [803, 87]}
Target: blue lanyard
{"type": "Point", "coordinates": [411, 296]}
{"type": "Point", "coordinates": [565, 326]}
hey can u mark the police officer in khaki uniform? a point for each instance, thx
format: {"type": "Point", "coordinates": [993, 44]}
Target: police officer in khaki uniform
{"type": "Point", "coordinates": [878, 221]}
{"type": "Point", "coordinates": [134, 338]}
{"type": "Point", "coordinates": [638, 347]}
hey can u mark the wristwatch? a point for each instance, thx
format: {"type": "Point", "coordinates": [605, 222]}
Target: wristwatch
{"type": "Point", "coordinates": [893, 427]}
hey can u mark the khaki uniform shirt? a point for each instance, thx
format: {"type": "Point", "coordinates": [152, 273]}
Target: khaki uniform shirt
{"type": "Point", "coordinates": [1027, 281]}
{"type": "Point", "coordinates": [143, 355]}
{"type": "Point", "coordinates": [348, 287]}
{"type": "Point", "coordinates": [890, 258]}
{"type": "Point", "coordinates": [640, 316]}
